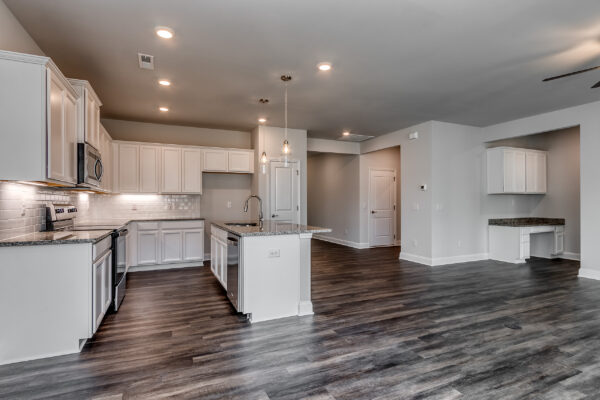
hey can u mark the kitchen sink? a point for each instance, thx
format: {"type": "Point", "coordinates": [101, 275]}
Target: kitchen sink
{"type": "Point", "coordinates": [241, 223]}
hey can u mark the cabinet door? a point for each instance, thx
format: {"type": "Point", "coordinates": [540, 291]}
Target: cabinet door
{"type": "Point", "coordinates": [192, 171]}
{"type": "Point", "coordinates": [193, 245]}
{"type": "Point", "coordinates": [92, 121]}
{"type": "Point", "coordinates": [147, 244]}
{"type": "Point", "coordinates": [149, 158]}
{"type": "Point", "coordinates": [97, 288]}
{"type": "Point", "coordinates": [107, 282]}
{"type": "Point", "coordinates": [223, 263]}
{"type": "Point", "coordinates": [215, 160]}
{"type": "Point", "coordinates": [56, 134]}
{"type": "Point", "coordinates": [213, 256]}
{"type": "Point", "coordinates": [172, 245]}
{"type": "Point", "coordinates": [559, 242]}
{"type": "Point", "coordinates": [128, 168]}
{"type": "Point", "coordinates": [514, 171]}
{"type": "Point", "coordinates": [171, 170]}
{"type": "Point", "coordinates": [70, 144]}
{"type": "Point", "coordinates": [536, 172]}
{"type": "Point", "coordinates": [241, 161]}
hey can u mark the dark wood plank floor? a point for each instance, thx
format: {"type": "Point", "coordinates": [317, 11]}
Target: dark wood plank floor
{"type": "Point", "coordinates": [383, 329]}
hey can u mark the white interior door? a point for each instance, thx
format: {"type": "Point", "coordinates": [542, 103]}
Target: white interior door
{"type": "Point", "coordinates": [285, 191]}
{"type": "Point", "coordinates": [382, 207]}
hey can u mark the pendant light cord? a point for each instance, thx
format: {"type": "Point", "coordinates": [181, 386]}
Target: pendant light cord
{"type": "Point", "coordinates": [286, 109]}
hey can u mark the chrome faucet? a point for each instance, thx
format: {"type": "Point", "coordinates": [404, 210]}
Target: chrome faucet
{"type": "Point", "coordinates": [260, 210]}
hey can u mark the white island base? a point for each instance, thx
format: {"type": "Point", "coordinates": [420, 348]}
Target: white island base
{"type": "Point", "coordinates": [274, 270]}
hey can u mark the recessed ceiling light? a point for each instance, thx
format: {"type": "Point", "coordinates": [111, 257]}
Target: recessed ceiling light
{"type": "Point", "coordinates": [346, 133]}
{"type": "Point", "coordinates": [164, 82]}
{"type": "Point", "coordinates": [163, 109]}
{"type": "Point", "coordinates": [324, 66]}
{"type": "Point", "coordinates": [164, 32]}
{"type": "Point", "coordinates": [262, 120]}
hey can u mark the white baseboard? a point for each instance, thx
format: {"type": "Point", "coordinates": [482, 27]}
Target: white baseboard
{"type": "Point", "coordinates": [459, 259]}
{"type": "Point", "coordinates": [142, 268]}
{"type": "Point", "coordinates": [342, 242]}
{"type": "Point", "coordinates": [438, 261]}
{"type": "Point", "coordinates": [589, 273]}
{"type": "Point", "coordinates": [415, 258]}
{"type": "Point", "coordinates": [570, 256]}
{"type": "Point", "coordinates": [305, 308]}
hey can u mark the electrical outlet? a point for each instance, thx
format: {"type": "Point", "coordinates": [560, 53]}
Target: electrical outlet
{"type": "Point", "coordinates": [274, 253]}
{"type": "Point", "coordinates": [229, 204]}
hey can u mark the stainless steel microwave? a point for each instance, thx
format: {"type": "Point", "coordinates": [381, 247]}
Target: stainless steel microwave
{"type": "Point", "coordinates": [89, 166]}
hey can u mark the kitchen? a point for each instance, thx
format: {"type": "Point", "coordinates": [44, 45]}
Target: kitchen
{"type": "Point", "coordinates": [202, 209]}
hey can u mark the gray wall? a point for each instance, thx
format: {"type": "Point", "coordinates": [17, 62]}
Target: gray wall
{"type": "Point", "coordinates": [13, 37]}
{"type": "Point", "coordinates": [333, 194]}
{"type": "Point", "coordinates": [175, 134]}
{"type": "Point", "coordinates": [563, 196]}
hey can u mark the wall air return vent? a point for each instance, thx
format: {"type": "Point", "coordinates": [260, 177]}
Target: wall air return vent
{"type": "Point", "coordinates": [352, 137]}
{"type": "Point", "coordinates": [146, 61]}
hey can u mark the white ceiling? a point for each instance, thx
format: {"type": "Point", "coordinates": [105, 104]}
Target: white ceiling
{"type": "Point", "coordinates": [395, 62]}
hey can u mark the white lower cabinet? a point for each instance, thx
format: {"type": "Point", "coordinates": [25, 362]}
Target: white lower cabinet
{"type": "Point", "coordinates": [101, 288]}
{"type": "Point", "coordinates": [167, 242]}
{"type": "Point", "coordinates": [147, 246]}
{"type": "Point", "coordinates": [218, 255]}
{"type": "Point", "coordinates": [172, 246]}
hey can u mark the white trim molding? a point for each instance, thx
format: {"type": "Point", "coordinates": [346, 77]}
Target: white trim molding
{"type": "Point", "coordinates": [342, 242]}
{"type": "Point", "coordinates": [439, 261]}
{"type": "Point", "coordinates": [157, 267]}
{"type": "Point", "coordinates": [589, 273]}
{"type": "Point", "coordinates": [567, 255]}
{"type": "Point", "coordinates": [305, 308]}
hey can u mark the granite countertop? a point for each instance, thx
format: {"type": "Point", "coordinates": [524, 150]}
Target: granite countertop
{"type": "Point", "coordinates": [527, 221]}
{"type": "Point", "coordinates": [73, 237]}
{"type": "Point", "coordinates": [48, 238]}
{"type": "Point", "coordinates": [270, 228]}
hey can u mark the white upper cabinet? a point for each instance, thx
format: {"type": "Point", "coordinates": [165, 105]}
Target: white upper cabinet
{"type": "Point", "coordinates": [516, 171]}
{"type": "Point", "coordinates": [149, 169]}
{"type": "Point", "coordinates": [89, 113]}
{"type": "Point", "coordinates": [233, 161]}
{"type": "Point", "coordinates": [536, 171]}
{"type": "Point", "coordinates": [171, 167]}
{"type": "Point", "coordinates": [241, 161]}
{"type": "Point", "coordinates": [128, 165]}
{"type": "Point", "coordinates": [215, 160]}
{"type": "Point", "coordinates": [39, 122]}
{"type": "Point", "coordinates": [191, 171]}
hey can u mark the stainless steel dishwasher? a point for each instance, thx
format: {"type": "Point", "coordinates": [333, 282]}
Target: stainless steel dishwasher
{"type": "Point", "coordinates": [233, 270]}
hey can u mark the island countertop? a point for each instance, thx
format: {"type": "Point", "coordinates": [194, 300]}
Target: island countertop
{"type": "Point", "coordinates": [270, 228]}
{"type": "Point", "coordinates": [527, 221]}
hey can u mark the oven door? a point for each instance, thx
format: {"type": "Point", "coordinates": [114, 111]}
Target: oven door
{"type": "Point", "coordinates": [89, 166]}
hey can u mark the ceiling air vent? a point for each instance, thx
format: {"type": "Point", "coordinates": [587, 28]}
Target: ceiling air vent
{"type": "Point", "coordinates": [352, 137]}
{"type": "Point", "coordinates": [146, 61]}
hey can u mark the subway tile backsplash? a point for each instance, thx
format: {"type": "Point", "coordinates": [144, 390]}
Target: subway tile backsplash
{"type": "Point", "coordinates": [23, 207]}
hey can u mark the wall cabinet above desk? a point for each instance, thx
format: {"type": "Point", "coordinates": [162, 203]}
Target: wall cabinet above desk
{"type": "Point", "coordinates": [516, 171]}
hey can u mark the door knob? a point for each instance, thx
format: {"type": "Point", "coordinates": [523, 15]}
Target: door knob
{"type": "Point", "coordinates": [373, 211]}
{"type": "Point", "coordinates": [274, 215]}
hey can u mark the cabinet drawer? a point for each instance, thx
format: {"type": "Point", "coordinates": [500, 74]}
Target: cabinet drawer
{"type": "Point", "coordinates": [100, 248]}
{"type": "Point", "coordinates": [191, 224]}
{"type": "Point", "coordinates": [218, 233]}
{"type": "Point", "coordinates": [147, 226]}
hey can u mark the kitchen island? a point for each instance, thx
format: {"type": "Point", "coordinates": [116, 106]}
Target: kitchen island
{"type": "Point", "coordinates": [265, 268]}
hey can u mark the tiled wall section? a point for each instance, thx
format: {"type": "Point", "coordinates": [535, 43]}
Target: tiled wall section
{"type": "Point", "coordinates": [23, 208]}
{"type": "Point", "coordinates": [118, 208]}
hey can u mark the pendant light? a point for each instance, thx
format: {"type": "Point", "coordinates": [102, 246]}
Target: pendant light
{"type": "Point", "coordinates": [263, 157]}
{"type": "Point", "coordinates": [286, 145]}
